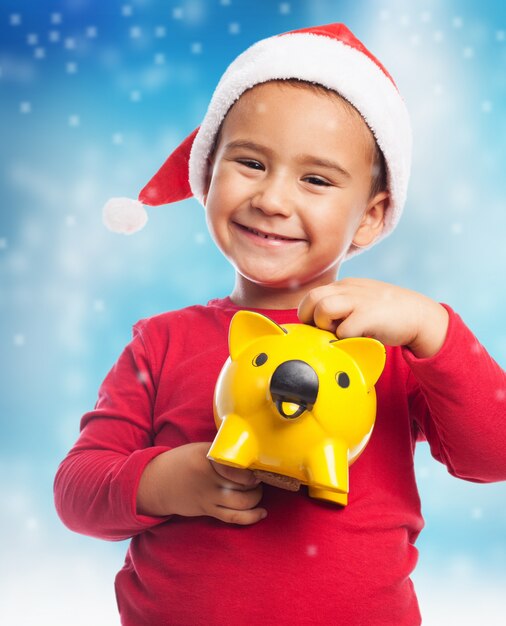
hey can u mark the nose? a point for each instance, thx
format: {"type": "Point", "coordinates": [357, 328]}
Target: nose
{"type": "Point", "coordinates": [273, 196]}
{"type": "Point", "coordinates": [294, 383]}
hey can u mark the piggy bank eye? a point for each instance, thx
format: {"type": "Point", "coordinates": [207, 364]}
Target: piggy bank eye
{"type": "Point", "coordinates": [343, 380]}
{"type": "Point", "coordinates": [260, 359]}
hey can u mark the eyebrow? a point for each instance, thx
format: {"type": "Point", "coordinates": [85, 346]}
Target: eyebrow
{"type": "Point", "coordinates": [305, 159]}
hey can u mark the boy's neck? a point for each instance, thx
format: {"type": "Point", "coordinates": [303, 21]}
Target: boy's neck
{"type": "Point", "coordinates": [251, 295]}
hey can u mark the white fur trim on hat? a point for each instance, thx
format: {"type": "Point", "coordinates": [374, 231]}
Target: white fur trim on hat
{"type": "Point", "coordinates": [335, 65]}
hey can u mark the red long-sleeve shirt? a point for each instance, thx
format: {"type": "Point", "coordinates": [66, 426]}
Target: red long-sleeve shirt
{"type": "Point", "coordinates": [308, 562]}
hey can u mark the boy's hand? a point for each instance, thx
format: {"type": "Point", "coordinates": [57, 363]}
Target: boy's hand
{"type": "Point", "coordinates": [183, 481]}
{"type": "Point", "coordinates": [359, 307]}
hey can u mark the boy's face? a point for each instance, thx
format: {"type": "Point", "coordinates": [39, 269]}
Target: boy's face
{"type": "Point", "coordinates": [289, 185]}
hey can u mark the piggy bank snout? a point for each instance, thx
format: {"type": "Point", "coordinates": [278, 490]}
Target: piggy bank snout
{"type": "Point", "coordinates": [294, 388]}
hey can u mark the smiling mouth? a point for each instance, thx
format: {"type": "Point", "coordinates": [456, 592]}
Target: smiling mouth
{"type": "Point", "coordinates": [263, 235]}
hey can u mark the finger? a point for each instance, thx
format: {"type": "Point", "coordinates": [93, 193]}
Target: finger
{"type": "Point", "coordinates": [242, 518]}
{"type": "Point", "coordinates": [311, 299]}
{"type": "Point", "coordinates": [231, 498]}
{"type": "Point", "coordinates": [236, 475]}
{"type": "Point", "coordinates": [352, 326]}
{"type": "Point", "coordinates": [332, 311]}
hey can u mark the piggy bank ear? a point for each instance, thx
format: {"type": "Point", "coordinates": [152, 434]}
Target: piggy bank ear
{"type": "Point", "coordinates": [247, 326]}
{"type": "Point", "coordinates": [369, 355]}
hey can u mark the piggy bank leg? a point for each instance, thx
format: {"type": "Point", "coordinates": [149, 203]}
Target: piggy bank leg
{"type": "Point", "coordinates": [235, 444]}
{"type": "Point", "coordinates": [327, 466]}
{"type": "Point", "coordinates": [327, 494]}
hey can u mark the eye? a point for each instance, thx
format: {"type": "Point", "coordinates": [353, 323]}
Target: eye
{"type": "Point", "coordinates": [254, 165]}
{"type": "Point", "coordinates": [342, 379]}
{"type": "Point", "coordinates": [260, 359]}
{"type": "Point", "coordinates": [319, 182]}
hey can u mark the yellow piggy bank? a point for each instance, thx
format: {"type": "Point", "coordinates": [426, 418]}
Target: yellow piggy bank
{"type": "Point", "coordinates": [295, 401]}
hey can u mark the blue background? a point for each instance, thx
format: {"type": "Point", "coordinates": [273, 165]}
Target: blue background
{"type": "Point", "coordinates": [93, 96]}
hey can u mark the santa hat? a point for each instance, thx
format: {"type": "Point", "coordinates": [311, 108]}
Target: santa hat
{"type": "Point", "coordinates": [328, 55]}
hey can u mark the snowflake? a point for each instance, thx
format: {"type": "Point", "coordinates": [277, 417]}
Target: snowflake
{"type": "Point", "coordinates": [32, 39]}
{"type": "Point", "coordinates": [486, 106]}
{"type": "Point", "coordinates": [39, 53]}
{"type": "Point", "coordinates": [54, 36]}
{"type": "Point", "coordinates": [177, 13]}
{"type": "Point", "coordinates": [19, 340]}
{"type": "Point", "coordinates": [477, 513]}
{"type": "Point", "coordinates": [25, 107]}
{"type": "Point", "coordinates": [70, 43]}
{"type": "Point", "coordinates": [15, 19]}
{"type": "Point", "coordinates": [126, 10]}
{"type": "Point", "coordinates": [142, 377]}
{"type": "Point", "coordinates": [312, 550]}
{"type": "Point", "coordinates": [91, 32]}
{"type": "Point", "coordinates": [56, 18]}
{"type": "Point", "coordinates": [135, 32]}
{"type": "Point", "coordinates": [98, 306]}
{"type": "Point", "coordinates": [71, 67]}
{"type": "Point", "coordinates": [234, 28]}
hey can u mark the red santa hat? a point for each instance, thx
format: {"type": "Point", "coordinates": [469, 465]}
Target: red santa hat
{"type": "Point", "coordinates": [329, 55]}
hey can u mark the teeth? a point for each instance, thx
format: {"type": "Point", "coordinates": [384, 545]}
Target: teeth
{"type": "Point", "coordinates": [264, 235]}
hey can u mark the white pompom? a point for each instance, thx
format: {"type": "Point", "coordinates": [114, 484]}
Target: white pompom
{"type": "Point", "coordinates": [124, 215]}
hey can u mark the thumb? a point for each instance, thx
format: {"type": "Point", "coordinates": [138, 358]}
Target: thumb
{"type": "Point", "coordinates": [238, 475]}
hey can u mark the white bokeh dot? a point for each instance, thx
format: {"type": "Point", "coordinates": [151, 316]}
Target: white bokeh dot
{"type": "Point", "coordinates": [234, 28]}
{"type": "Point", "coordinates": [19, 340]}
{"type": "Point", "coordinates": [312, 550]}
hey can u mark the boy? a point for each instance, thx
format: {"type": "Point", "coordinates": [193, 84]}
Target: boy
{"type": "Point", "coordinates": [294, 178]}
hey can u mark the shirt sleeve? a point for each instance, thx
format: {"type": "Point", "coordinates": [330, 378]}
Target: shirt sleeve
{"type": "Point", "coordinates": [458, 400]}
{"type": "Point", "coordinates": [96, 484]}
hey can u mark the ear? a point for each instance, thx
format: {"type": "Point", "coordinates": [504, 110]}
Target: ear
{"type": "Point", "coordinates": [368, 354]}
{"type": "Point", "coordinates": [247, 326]}
{"type": "Point", "coordinates": [372, 221]}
